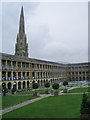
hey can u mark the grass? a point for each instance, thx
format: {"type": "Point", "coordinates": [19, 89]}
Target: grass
{"type": "Point", "coordinates": [79, 90]}
{"type": "Point", "coordinates": [42, 91]}
{"type": "Point", "coordinates": [65, 106]}
{"type": "Point", "coordinates": [0, 102]}
{"type": "Point", "coordinates": [10, 100]}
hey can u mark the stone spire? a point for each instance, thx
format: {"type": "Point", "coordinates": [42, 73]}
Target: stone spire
{"type": "Point", "coordinates": [21, 24]}
{"type": "Point", "coordinates": [21, 47]}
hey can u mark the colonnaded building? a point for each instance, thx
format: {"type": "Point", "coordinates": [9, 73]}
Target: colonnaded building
{"type": "Point", "coordinates": [22, 71]}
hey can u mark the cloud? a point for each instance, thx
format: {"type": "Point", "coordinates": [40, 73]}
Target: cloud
{"type": "Point", "coordinates": [55, 31]}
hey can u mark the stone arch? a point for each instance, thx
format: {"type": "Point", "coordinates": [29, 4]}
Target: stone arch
{"type": "Point", "coordinates": [9, 85]}
{"type": "Point", "coordinates": [33, 81]}
{"type": "Point", "coordinates": [27, 84]}
{"type": "Point", "coordinates": [83, 78]}
{"type": "Point", "coordinates": [15, 85]}
{"type": "Point", "coordinates": [80, 78]}
{"type": "Point", "coordinates": [19, 85]}
{"type": "Point", "coordinates": [41, 82]}
{"type": "Point", "coordinates": [44, 82]}
{"type": "Point", "coordinates": [24, 84]}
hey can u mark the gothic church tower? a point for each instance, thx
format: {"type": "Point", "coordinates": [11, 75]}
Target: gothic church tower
{"type": "Point", "coordinates": [21, 47]}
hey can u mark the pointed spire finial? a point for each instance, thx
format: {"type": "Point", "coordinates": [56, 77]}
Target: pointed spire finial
{"type": "Point", "coordinates": [21, 47]}
{"type": "Point", "coordinates": [21, 25]}
{"type": "Point", "coordinates": [22, 10]}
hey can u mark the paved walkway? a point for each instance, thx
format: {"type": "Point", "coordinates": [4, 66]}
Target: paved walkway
{"type": "Point", "coordinates": [22, 104]}
{"type": "Point", "coordinates": [31, 101]}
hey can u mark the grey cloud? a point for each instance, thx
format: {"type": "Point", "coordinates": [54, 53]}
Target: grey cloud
{"type": "Point", "coordinates": [55, 31]}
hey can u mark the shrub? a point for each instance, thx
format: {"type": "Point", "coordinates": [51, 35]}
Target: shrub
{"type": "Point", "coordinates": [84, 105]}
{"type": "Point", "coordinates": [65, 83]}
{"type": "Point", "coordinates": [47, 84]}
{"type": "Point", "coordinates": [55, 86]}
{"type": "Point", "coordinates": [35, 85]}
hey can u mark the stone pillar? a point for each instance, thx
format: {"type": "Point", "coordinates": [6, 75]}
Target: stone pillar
{"type": "Point", "coordinates": [6, 64]}
{"type": "Point", "coordinates": [12, 85]}
{"type": "Point", "coordinates": [25, 75]}
{"type": "Point", "coordinates": [16, 65]}
{"type": "Point", "coordinates": [6, 76]}
{"type": "Point", "coordinates": [17, 75]}
{"type": "Point", "coordinates": [29, 75]}
{"type": "Point", "coordinates": [21, 65]}
{"type": "Point", "coordinates": [7, 84]}
{"type": "Point", "coordinates": [12, 75]}
{"type": "Point", "coordinates": [11, 65]}
{"type": "Point", "coordinates": [17, 85]}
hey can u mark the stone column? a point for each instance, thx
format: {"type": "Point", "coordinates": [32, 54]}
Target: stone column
{"type": "Point", "coordinates": [25, 75]}
{"type": "Point", "coordinates": [6, 64]}
{"type": "Point", "coordinates": [12, 75]}
{"type": "Point", "coordinates": [29, 75]}
{"type": "Point", "coordinates": [17, 85]}
{"type": "Point", "coordinates": [6, 76]}
{"type": "Point", "coordinates": [16, 65]}
{"type": "Point", "coordinates": [12, 85]}
{"type": "Point", "coordinates": [11, 65]}
{"type": "Point", "coordinates": [7, 84]}
{"type": "Point", "coordinates": [17, 75]}
{"type": "Point", "coordinates": [21, 65]}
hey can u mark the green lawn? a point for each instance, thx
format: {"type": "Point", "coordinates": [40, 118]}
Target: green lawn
{"type": "Point", "coordinates": [10, 100]}
{"type": "Point", "coordinates": [79, 90]}
{"type": "Point", "coordinates": [42, 91]}
{"type": "Point", "coordinates": [0, 102]}
{"type": "Point", "coordinates": [64, 106]}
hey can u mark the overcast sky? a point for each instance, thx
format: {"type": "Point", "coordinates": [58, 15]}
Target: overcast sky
{"type": "Point", "coordinates": [55, 31]}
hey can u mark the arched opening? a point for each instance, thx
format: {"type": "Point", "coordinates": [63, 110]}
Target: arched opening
{"type": "Point", "coordinates": [33, 81]}
{"type": "Point", "coordinates": [80, 78]}
{"type": "Point", "coordinates": [27, 84]}
{"type": "Point", "coordinates": [19, 85]}
{"type": "Point", "coordinates": [14, 85]}
{"type": "Point", "coordinates": [83, 78]}
{"type": "Point", "coordinates": [44, 82]}
{"type": "Point", "coordinates": [9, 85]}
{"type": "Point", "coordinates": [23, 84]}
{"type": "Point", "coordinates": [41, 82]}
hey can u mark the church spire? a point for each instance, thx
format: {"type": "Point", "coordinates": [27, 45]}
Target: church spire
{"type": "Point", "coordinates": [21, 47]}
{"type": "Point", "coordinates": [21, 24]}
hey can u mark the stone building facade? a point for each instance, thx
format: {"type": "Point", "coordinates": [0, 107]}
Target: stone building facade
{"type": "Point", "coordinates": [79, 72]}
{"type": "Point", "coordinates": [21, 71]}
{"type": "Point", "coordinates": [24, 71]}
